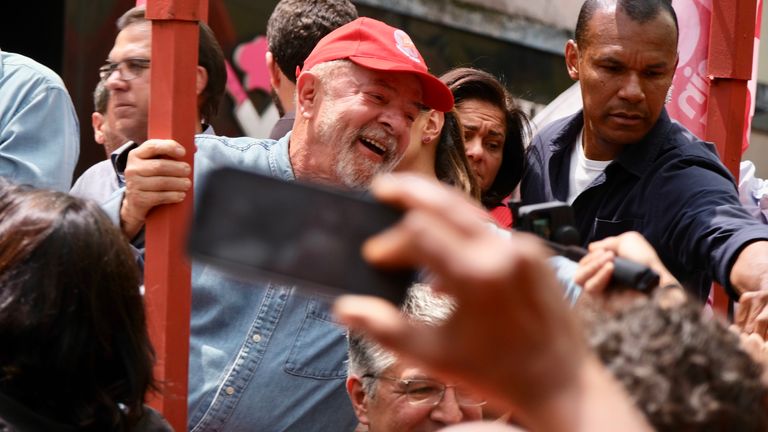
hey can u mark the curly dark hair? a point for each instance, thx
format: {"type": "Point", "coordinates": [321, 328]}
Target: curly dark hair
{"type": "Point", "coordinates": [296, 26]}
{"type": "Point", "coordinates": [75, 347]}
{"type": "Point", "coordinates": [685, 371]}
{"type": "Point", "coordinates": [475, 84]}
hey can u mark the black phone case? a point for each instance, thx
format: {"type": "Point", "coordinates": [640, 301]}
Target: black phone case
{"type": "Point", "coordinates": [254, 226]}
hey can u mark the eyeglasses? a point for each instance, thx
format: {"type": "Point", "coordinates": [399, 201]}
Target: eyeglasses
{"type": "Point", "coordinates": [129, 68]}
{"type": "Point", "coordinates": [430, 392]}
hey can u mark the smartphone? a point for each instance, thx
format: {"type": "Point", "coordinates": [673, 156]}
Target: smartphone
{"type": "Point", "coordinates": [259, 227]}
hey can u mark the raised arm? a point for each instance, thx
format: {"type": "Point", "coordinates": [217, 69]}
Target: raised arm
{"type": "Point", "coordinates": [512, 335]}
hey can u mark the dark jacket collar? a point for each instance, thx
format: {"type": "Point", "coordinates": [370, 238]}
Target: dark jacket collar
{"type": "Point", "coordinates": [636, 158]}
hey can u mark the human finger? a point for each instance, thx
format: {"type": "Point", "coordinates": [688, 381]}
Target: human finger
{"type": "Point", "coordinates": [157, 184]}
{"type": "Point", "coordinates": [376, 317]}
{"type": "Point", "coordinates": [748, 311]}
{"type": "Point", "coordinates": [590, 264]}
{"type": "Point", "coordinates": [409, 191]}
{"type": "Point", "coordinates": [761, 322]}
{"type": "Point", "coordinates": [157, 168]}
{"type": "Point", "coordinates": [155, 148]}
{"type": "Point", "coordinates": [600, 281]}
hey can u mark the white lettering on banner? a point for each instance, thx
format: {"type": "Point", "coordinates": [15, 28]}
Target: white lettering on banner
{"type": "Point", "coordinates": [691, 85]}
{"type": "Point", "coordinates": [695, 91]}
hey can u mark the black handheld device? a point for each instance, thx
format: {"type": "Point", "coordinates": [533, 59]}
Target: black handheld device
{"type": "Point", "coordinates": [255, 226]}
{"type": "Point", "coordinates": [554, 222]}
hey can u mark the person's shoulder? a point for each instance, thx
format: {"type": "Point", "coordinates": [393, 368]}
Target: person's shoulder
{"type": "Point", "coordinates": [19, 67]}
{"type": "Point", "coordinates": [242, 144]}
{"type": "Point", "coordinates": [555, 129]}
{"type": "Point", "coordinates": [250, 153]}
{"type": "Point", "coordinates": [682, 144]}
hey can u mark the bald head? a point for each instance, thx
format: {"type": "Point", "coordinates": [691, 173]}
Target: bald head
{"type": "Point", "coordinates": [640, 11]}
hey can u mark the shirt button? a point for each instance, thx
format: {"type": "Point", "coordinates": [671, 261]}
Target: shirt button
{"type": "Point", "coordinates": [256, 338]}
{"type": "Point", "coordinates": [230, 390]}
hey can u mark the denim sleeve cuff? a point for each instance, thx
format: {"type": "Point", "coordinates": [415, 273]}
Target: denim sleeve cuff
{"type": "Point", "coordinates": [564, 271]}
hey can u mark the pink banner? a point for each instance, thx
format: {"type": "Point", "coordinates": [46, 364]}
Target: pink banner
{"type": "Point", "coordinates": [691, 85]}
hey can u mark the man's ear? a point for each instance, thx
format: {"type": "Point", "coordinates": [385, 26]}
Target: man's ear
{"type": "Point", "coordinates": [572, 59]}
{"type": "Point", "coordinates": [275, 74]}
{"type": "Point", "coordinates": [97, 121]}
{"type": "Point", "coordinates": [202, 80]}
{"type": "Point", "coordinates": [359, 398]}
{"type": "Point", "coordinates": [434, 126]}
{"type": "Point", "coordinates": [308, 92]}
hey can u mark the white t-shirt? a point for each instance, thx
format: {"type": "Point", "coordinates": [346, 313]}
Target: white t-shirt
{"type": "Point", "coordinates": [583, 171]}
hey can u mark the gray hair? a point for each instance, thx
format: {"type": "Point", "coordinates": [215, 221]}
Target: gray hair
{"type": "Point", "coordinates": [423, 306]}
{"type": "Point", "coordinates": [100, 98]}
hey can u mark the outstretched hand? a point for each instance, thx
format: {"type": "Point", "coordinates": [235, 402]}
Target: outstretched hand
{"type": "Point", "coordinates": [596, 268]}
{"type": "Point", "coordinates": [512, 335]}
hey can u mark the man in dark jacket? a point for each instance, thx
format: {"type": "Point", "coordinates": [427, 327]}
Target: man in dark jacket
{"type": "Point", "coordinates": [624, 165]}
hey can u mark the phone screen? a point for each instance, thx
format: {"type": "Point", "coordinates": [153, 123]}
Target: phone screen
{"type": "Point", "coordinates": [301, 234]}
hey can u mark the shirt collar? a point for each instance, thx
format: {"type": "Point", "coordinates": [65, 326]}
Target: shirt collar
{"type": "Point", "coordinates": [635, 158]}
{"type": "Point", "coordinates": [279, 160]}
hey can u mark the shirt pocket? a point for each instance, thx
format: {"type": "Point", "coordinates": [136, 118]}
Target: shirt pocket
{"type": "Point", "coordinates": [320, 348]}
{"type": "Point", "coordinates": [608, 228]}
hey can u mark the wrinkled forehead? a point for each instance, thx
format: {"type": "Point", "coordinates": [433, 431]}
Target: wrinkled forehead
{"type": "Point", "coordinates": [403, 85]}
{"type": "Point", "coordinates": [134, 41]}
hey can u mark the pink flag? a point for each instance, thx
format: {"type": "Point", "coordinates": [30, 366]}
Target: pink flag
{"type": "Point", "coordinates": [690, 90]}
{"type": "Point", "coordinates": [690, 87]}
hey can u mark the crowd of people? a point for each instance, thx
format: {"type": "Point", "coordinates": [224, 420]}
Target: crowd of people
{"type": "Point", "coordinates": [496, 335]}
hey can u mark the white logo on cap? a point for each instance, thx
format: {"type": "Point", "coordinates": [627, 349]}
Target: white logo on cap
{"type": "Point", "coordinates": [406, 46]}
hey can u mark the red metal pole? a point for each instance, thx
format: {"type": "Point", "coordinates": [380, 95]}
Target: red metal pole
{"type": "Point", "coordinates": [731, 44]}
{"type": "Point", "coordinates": [172, 115]}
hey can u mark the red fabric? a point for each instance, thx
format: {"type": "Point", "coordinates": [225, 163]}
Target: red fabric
{"type": "Point", "coordinates": [502, 215]}
{"type": "Point", "coordinates": [375, 45]}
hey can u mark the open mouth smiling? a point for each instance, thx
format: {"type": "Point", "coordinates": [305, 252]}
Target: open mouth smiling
{"type": "Point", "coordinates": [374, 146]}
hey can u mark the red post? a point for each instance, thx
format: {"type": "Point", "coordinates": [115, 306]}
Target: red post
{"type": "Point", "coordinates": [731, 43]}
{"type": "Point", "coordinates": [172, 115]}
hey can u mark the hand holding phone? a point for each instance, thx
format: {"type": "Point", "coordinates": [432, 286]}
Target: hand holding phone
{"type": "Point", "coordinates": [254, 226]}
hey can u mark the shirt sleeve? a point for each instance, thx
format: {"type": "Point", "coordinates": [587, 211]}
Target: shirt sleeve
{"type": "Point", "coordinates": [40, 142]}
{"type": "Point", "coordinates": [707, 227]}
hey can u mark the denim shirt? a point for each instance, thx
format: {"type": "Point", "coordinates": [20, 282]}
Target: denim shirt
{"type": "Point", "coordinates": [670, 186]}
{"type": "Point", "coordinates": [262, 357]}
{"type": "Point", "coordinates": [39, 132]}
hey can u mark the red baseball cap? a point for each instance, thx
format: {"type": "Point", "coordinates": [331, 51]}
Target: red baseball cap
{"type": "Point", "coordinates": [374, 45]}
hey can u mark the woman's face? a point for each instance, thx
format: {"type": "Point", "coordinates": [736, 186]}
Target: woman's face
{"type": "Point", "coordinates": [485, 130]}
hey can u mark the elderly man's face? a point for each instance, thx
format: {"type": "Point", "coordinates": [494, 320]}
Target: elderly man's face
{"type": "Point", "coordinates": [364, 123]}
{"type": "Point", "coordinates": [625, 69]}
{"type": "Point", "coordinates": [391, 409]}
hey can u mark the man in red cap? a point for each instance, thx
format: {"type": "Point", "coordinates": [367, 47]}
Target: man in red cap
{"type": "Point", "coordinates": [262, 357]}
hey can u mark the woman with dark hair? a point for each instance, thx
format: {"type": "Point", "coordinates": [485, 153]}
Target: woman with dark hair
{"type": "Point", "coordinates": [495, 130]}
{"type": "Point", "coordinates": [436, 150]}
{"type": "Point", "coordinates": [75, 353]}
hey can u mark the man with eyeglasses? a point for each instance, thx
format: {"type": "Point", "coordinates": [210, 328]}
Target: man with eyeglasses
{"type": "Point", "coordinates": [388, 394]}
{"type": "Point", "coordinates": [126, 76]}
